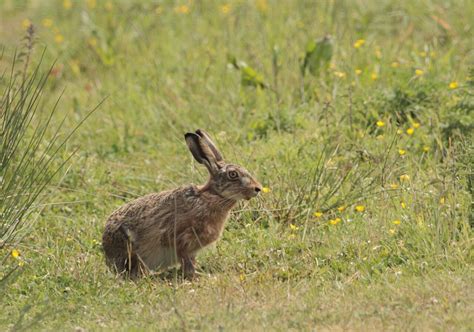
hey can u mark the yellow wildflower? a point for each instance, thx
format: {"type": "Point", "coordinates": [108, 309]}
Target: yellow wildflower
{"type": "Point", "coordinates": [419, 221]}
{"type": "Point", "coordinates": [396, 222]}
{"type": "Point", "coordinates": [395, 64]}
{"type": "Point", "coordinates": [21, 263]}
{"type": "Point", "coordinates": [442, 200]}
{"type": "Point", "coordinates": [341, 208]}
{"type": "Point", "coordinates": [378, 53]}
{"type": "Point", "coordinates": [225, 9]}
{"type": "Point", "coordinates": [335, 221]}
{"type": "Point", "coordinates": [374, 76]}
{"type": "Point", "coordinates": [393, 186]}
{"type": "Point", "coordinates": [266, 190]}
{"type": "Point", "coordinates": [392, 231]}
{"type": "Point", "coordinates": [403, 205]}
{"type": "Point", "coordinates": [410, 131]}
{"type": "Point", "coordinates": [453, 85]}
{"type": "Point", "coordinates": [340, 74]}
{"type": "Point", "coordinates": [47, 22]}
{"type": "Point", "coordinates": [67, 4]}
{"type": "Point", "coordinates": [92, 41]}
{"type": "Point", "coordinates": [404, 177]}
{"type": "Point", "coordinates": [426, 148]}
{"type": "Point", "coordinates": [416, 125]}
{"type": "Point", "coordinates": [91, 4]}
{"type": "Point", "coordinates": [25, 23]}
{"type": "Point", "coordinates": [75, 68]}
{"type": "Point", "coordinates": [402, 152]}
{"type": "Point", "coordinates": [399, 131]}
{"type": "Point", "coordinates": [318, 214]}
{"type": "Point", "coordinates": [58, 38]}
{"type": "Point", "coordinates": [359, 43]}
{"type": "Point", "coordinates": [109, 6]}
{"type": "Point", "coordinates": [419, 72]}
{"type": "Point", "coordinates": [358, 71]}
{"type": "Point", "coordinates": [15, 254]}
{"type": "Point", "coordinates": [183, 9]}
{"type": "Point", "coordinates": [294, 227]}
{"type": "Point", "coordinates": [380, 123]}
{"type": "Point", "coordinates": [360, 208]}
{"type": "Point", "coordinates": [262, 5]}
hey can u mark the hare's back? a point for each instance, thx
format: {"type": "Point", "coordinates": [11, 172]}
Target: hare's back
{"type": "Point", "coordinates": [154, 208]}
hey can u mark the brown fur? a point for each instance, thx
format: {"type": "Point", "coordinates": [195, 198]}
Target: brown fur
{"type": "Point", "coordinates": [162, 229]}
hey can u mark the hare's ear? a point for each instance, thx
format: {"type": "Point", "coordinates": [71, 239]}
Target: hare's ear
{"type": "Point", "coordinates": [205, 136]}
{"type": "Point", "coordinates": [201, 152]}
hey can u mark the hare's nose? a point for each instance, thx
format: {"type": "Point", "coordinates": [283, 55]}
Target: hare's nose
{"type": "Point", "coordinates": [258, 189]}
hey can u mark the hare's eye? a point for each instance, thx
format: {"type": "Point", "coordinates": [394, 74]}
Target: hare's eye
{"type": "Point", "coordinates": [233, 175]}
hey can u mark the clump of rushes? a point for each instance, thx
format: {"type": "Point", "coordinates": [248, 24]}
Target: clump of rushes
{"type": "Point", "coordinates": [30, 145]}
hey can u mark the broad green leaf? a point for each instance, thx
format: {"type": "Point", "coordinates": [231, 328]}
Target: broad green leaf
{"type": "Point", "coordinates": [318, 55]}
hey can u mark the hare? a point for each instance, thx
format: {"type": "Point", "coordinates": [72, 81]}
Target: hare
{"type": "Point", "coordinates": [164, 229]}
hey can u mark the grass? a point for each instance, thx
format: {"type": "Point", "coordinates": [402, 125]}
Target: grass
{"type": "Point", "coordinates": [404, 263]}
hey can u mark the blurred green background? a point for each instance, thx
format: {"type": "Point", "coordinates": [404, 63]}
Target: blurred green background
{"type": "Point", "coordinates": [357, 116]}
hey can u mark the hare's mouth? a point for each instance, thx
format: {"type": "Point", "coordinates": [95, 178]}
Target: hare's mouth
{"type": "Point", "coordinates": [251, 194]}
{"type": "Point", "coordinates": [242, 194]}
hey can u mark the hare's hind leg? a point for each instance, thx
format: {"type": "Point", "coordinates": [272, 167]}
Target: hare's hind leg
{"type": "Point", "coordinates": [120, 253]}
{"type": "Point", "coordinates": [134, 265]}
{"type": "Point", "coordinates": [129, 264]}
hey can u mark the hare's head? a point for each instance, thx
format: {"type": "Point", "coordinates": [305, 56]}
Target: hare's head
{"type": "Point", "coordinates": [226, 180]}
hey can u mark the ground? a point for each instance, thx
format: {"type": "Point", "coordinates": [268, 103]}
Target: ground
{"type": "Point", "coordinates": [356, 117]}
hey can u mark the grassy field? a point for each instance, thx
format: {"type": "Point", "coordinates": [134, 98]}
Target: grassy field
{"type": "Point", "coordinates": [367, 156]}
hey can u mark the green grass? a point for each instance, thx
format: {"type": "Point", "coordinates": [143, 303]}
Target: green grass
{"type": "Point", "coordinates": [312, 140]}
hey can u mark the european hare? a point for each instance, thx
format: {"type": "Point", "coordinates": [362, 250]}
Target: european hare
{"type": "Point", "coordinates": [160, 230]}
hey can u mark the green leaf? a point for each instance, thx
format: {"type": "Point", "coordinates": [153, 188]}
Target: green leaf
{"type": "Point", "coordinates": [252, 78]}
{"type": "Point", "coordinates": [249, 76]}
{"type": "Point", "coordinates": [318, 55]}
